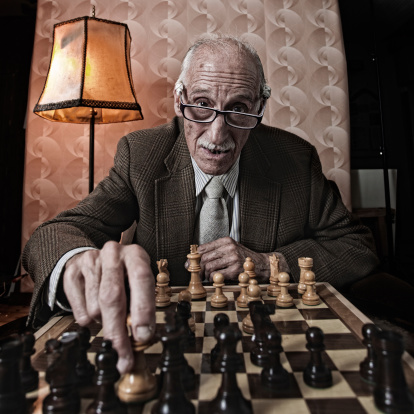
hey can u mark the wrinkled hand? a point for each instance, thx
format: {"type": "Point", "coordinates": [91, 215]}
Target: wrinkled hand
{"type": "Point", "coordinates": [227, 257]}
{"type": "Point", "coordinates": [94, 284]}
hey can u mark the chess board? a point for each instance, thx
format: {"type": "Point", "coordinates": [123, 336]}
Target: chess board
{"type": "Point", "coordinates": [340, 321]}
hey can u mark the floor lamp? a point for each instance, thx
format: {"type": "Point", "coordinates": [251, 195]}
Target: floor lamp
{"type": "Point", "coordinates": [89, 78]}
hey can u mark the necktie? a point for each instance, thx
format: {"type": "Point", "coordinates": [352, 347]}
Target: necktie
{"type": "Point", "coordinates": [213, 219]}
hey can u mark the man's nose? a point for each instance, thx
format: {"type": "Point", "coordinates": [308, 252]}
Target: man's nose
{"type": "Point", "coordinates": [218, 129]}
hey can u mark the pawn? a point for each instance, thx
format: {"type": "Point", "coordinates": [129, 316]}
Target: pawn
{"type": "Point", "coordinates": [274, 375]}
{"type": "Point", "coordinates": [84, 369]}
{"type": "Point", "coordinates": [218, 300]}
{"type": "Point", "coordinates": [29, 376]}
{"type": "Point", "coordinates": [184, 311]}
{"type": "Point", "coordinates": [106, 400]}
{"type": "Point", "coordinates": [185, 295]}
{"type": "Point", "coordinates": [253, 293]}
{"type": "Point", "coordinates": [163, 268]}
{"type": "Point", "coordinates": [316, 373]}
{"type": "Point", "coordinates": [162, 299]}
{"type": "Point", "coordinates": [221, 320]}
{"type": "Point", "coordinates": [242, 299]}
{"type": "Point", "coordinates": [368, 367]}
{"type": "Point", "coordinates": [310, 297]}
{"type": "Point", "coordinates": [284, 300]}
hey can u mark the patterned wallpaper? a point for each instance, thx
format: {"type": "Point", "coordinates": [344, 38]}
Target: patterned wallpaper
{"type": "Point", "coordinates": [299, 42]}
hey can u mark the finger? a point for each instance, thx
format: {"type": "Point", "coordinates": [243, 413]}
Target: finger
{"type": "Point", "coordinates": [92, 273]}
{"type": "Point", "coordinates": [214, 245]}
{"type": "Point", "coordinates": [142, 288]}
{"type": "Point", "coordinates": [112, 301]}
{"type": "Point", "coordinates": [74, 288]}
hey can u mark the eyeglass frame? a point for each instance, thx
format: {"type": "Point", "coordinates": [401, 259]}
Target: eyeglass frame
{"type": "Point", "coordinates": [218, 112]}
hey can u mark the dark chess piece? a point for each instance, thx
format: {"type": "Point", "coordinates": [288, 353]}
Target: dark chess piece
{"type": "Point", "coordinates": [12, 395]}
{"type": "Point", "coordinates": [106, 400]}
{"type": "Point", "coordinates": [229, 398]}
{"type": "Point", "coordinates": [184, 310]}
{"type": "Point", "coordinates": [29, 376]}
{"type": "Point", "coordinates": [84, 369]}
{"type": "Point", "coordinates": [316, 373]}
{"type": "Point", "coordinates": [172, 398]}
{"type": "Point", "coordinates": [220, 321]}
{"type": "Point", "coordinates": [391, 394]}
{"type": "Point", "coordinates": [368, 367]}
{"type": "Point", "coordinates": [260, 316]}
{"type": "Point", "coordinates": [274, 375]}
{"type": "Point", "coordinates": [61, 376]}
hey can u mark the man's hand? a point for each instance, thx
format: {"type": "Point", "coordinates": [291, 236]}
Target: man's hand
{"type": "Point", "coordinates": [227, 257]}
{"type": "Point", "coordinates": [94, 284]}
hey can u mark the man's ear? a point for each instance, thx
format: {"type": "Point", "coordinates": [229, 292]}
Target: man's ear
{"type": "Point", "coordinates": [177, 103]}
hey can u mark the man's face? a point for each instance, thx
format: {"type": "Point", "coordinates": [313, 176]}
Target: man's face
{"type": "Point", "coordinates": [223, 83]}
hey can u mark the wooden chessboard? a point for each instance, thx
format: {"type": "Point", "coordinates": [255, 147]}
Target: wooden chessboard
{"type": "Point", "coordinates": [336, 316]}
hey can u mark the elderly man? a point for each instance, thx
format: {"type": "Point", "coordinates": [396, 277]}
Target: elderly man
{"type": "Point", "coordinates": [275, 199]}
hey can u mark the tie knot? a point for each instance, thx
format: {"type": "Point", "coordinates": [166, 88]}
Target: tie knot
{"type": "Point", "coordinates": [214, 189]}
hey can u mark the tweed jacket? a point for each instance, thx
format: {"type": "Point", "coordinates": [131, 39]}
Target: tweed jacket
{"type": "Point", "coordinates": [286, 205]}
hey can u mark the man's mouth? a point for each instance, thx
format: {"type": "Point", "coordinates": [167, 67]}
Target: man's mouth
{"type": "Point", "coordinates": [216, 151]}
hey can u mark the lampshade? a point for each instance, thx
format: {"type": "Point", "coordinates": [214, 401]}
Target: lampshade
{"type": "Point", "coordinates": [90, 67]}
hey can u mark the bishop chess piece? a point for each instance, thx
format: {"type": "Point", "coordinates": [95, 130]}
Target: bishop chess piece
{"type": "Point", "coordinates": [12, 395]}
{"type": "Point", "coordinates": [185, 295]}
{"type": "Point", "coordinates": [391, 394]}
{"type": "Point", "coordinates": [61, 375]}
{"type": "Point", "coordinates": [221, 320]}
{"type": "Point", "coordinates": [305, 263]}
{"type": "Point", "coordinates": [316, 373]}
{"type": "Point", "coordinates": [274, 374]}
{"type": "Point", "coordinates": [195, 287]}
{"type": "Point", "coordinates": [229, 398]}
{"type": "Point", "coordinates": [218, 300]}
{"type": "Point", "coordinates": [368, 367]}
{"type": "Point", "coordinates": [253, 294]}
{"type": "Point", "coordinates": [162, 265]}
{"type": "Point", "coordinates": [172, 398]}
{"type": "Point", "coordinates": [310, 297]}
{"type": "Point", "coordinates": [29, 376]}
{"type": "Point", "coordinates": [162, 298]}
{"type": "Point", "coordinates": [273, 289]}
{"type": "Point", "coordinates": [139, 384]}
{"type": "Point", "coordinates": [260, 315]}
{"type": "Point", "coordinates": [106, 401]}
{"type": "Point", "coordinates": [284, 300]}
{"type": "Point", "coordinates": [243, 299]}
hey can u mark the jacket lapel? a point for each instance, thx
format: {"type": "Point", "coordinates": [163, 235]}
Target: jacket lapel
{"type": "Point", "coordinates": [259, 200]}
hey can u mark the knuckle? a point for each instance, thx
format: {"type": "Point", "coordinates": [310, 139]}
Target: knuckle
{"type": "Point", "coordinates": [111, 295]}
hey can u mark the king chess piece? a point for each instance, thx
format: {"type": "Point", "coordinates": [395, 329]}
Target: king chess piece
{"type": "Point", "coordinates": [195, 287]}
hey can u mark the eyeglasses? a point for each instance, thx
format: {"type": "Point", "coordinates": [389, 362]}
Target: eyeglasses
{"type": "Point", "coordinates": [204, 115]}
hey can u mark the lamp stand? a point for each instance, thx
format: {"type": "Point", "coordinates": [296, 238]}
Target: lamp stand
{"type": "Point", "coordinates": [91, 149]}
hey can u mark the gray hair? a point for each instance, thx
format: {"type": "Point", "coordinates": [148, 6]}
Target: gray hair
{"type": "Point", "coordinates": [219, 41]}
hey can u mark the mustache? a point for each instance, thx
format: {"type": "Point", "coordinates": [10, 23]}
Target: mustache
{"type": "Point", "coordinates": [227, 145]}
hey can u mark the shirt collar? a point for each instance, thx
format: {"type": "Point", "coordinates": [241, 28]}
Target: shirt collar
{"type": "Point", "coordinates": [229, 179]}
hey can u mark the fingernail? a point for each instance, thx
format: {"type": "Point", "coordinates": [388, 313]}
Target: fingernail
{"type": "Point", "coordinates": [143, 333]}
{"type": "Point", "coordinates": [124, 365]}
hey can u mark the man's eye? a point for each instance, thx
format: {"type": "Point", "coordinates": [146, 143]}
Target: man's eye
{"type": "Point", "coordinates": [201, 103]}
{"type": "Point", "coordinates": [240, 108]}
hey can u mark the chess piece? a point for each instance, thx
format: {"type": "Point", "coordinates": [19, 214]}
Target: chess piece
{"type": "Point", "coordinates": [195, 287]}
{"type": "Point", "coordinates": [273, 289]}
{"type": "Point", "coordinates": [249, 268]}
{"type": "Point", "coordinates": [84, 369]}
{"type": "Point", "coordinates": [391, 394]}
{"type": "Point", "coordinates": [310, 297]}
{"type": "Point", "coordinates": [242, 299]}
{"type": "Point", "coordinates": [184, 311]}
{"type": "Point", "coordinates": [218, 300]}
{"type": "Point", "coordinates": [284, 300]}
{"type": "Point", "coordinates": [260, 316]}
{"type": "Point", "coordinates": [316, 373]}
{"type": "Point", "coordinates": [29, 376]}
{"type": "Point", "coordinates": [162, 265]}
{"type": "Point", "coordinates": [106, 401]}
{"type": "Point", "coordinates": [172, 398]}
{"type": "Point", "coordinates": [229, 398]}
{"type": "Point", "coordinates": [162, 299]}
{"type": "Point", "coordinates": [139, 384]}
{"type": "Point", "coordinates": [221, 320]}
{"type": "Point", "coordinates": [61, 375]}
{"type": "Point", "coordinates": [368, 367]}
{"type": "Point", "coordinates": [12, 395]}
{"type": "Point", "coordinates": [253, 294]}
{"type": "Point", "coordinates": [305, 263]}
{"type": "Point", "coordinates": [185, 295]}
{"type": "Point", "coordinates": [273, 373]}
